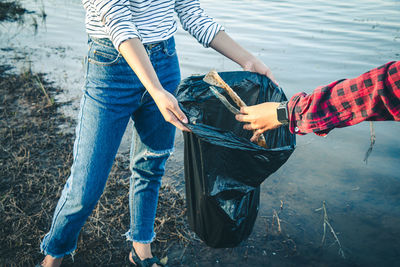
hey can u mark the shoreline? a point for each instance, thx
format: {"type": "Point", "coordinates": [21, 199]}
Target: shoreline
{"type": "Point", "coordinates": [361, 199]}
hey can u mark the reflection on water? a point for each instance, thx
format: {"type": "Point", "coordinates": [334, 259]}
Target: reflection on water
{"type": "Point", "coordinates": [306, 44]}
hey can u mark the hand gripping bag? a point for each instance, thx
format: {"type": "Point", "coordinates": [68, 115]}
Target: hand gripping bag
{"type": "Point", "coordinates": [223, 169]}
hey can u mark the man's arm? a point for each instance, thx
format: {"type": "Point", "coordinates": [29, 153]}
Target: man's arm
{"type": "Point", "coordinates": [372, 96]}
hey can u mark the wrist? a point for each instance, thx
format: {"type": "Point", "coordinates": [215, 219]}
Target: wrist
{"type": "Point", "coordinates": [154, 89]}
{"type": "Point", "coordinates": [248, 62]}
{"type": "Point", "coordinates": [282, 113]}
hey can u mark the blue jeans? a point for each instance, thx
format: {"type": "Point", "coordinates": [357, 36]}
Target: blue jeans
{"type": "Point", "coordinates": [112, 95]}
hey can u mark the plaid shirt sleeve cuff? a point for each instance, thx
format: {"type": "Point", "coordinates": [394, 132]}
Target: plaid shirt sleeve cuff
{"type": "Point", "coordinates": [293, 116]}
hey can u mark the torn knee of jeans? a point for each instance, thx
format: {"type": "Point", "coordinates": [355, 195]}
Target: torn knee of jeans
{"type": "Point", "coordinates": [157, 154]}
{"type": "Point", "coordinates": [148, 154]}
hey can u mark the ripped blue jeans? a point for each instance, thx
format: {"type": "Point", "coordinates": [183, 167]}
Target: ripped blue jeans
{"type": "Point", "coordinates": [112, 96]}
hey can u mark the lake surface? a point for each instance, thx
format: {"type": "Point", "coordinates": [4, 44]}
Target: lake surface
{"type": "Point", "coordinates": [306, 44]}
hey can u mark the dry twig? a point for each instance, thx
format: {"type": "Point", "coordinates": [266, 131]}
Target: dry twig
{"type": "Point", "coordinates": [372, 138]}
{"type": "Point", "coordinates": [50, 102]}
{"type": "Point", "coordinates": [327, 223]}
{"type": "Point", "coordinates": [277, 220]}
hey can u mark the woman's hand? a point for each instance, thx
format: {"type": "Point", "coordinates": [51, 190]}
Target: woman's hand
{"type": "Point", "coordinates": [225, 45]}
{"type": "Point", "coordinates": [169, 108]}
{"type": "Point", "coordinates": [260, 118]}
{"type": "Point", "coordinates": [256, 65]}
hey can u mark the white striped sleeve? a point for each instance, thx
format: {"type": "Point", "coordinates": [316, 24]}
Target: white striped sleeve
{"type": "Point", "coordinates": [196, 22]}
{"type": "Point", "coordinates": [117, 19]}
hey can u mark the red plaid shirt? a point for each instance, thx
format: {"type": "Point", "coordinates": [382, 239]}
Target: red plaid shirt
{"type": "Point", "coordinates": [373, 96]}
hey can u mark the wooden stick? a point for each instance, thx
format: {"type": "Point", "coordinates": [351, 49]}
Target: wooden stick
{"type": "Point", "coordinates": [213, 78]}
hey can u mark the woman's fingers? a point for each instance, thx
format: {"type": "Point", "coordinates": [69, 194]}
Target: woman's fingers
{"type": "Point", "coordinates": [178, 118]}
{"type": "Point", "coordinates": [178, 124]}
{"type": "Point", "coordinates": [179, 114]}
{"type": "Point", "coordinates": [271, 76]}
{"type": "Point", "coordinates": [174, 115]}
{"type": "Point", "coordinates": [169, 108]}
{"type": "Point", "coordinates": [170, 117]}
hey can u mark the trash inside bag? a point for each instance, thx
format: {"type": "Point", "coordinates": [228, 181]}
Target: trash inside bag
{"type": "Point", "coordinates": [223, 169]}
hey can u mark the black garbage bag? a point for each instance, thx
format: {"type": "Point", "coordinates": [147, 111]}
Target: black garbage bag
{"type": "Point", "coordinates": [223, 169]}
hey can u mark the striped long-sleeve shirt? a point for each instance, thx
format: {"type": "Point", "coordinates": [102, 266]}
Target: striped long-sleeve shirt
{"type": "Point", "coordinates": [149, 20]}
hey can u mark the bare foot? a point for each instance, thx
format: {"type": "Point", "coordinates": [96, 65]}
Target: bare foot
{"type": "Point", "coordinates": [143, 251]}
{"type": "Point", "coordinates": [49, 261]}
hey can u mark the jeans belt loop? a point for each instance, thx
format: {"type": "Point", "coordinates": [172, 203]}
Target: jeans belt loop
{"type": "Point", "coordinates": [151, 46]}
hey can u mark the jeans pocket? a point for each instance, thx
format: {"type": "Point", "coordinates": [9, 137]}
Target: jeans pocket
{"type": "Point", "coordinates": [169, 48]}
{"type": "Point", "coordinates": [170, 52]}
{"type": "Point", "coordinates": [103, 55]}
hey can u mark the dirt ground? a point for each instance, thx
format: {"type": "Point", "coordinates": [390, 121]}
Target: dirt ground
{"type": "Point", "coordinates": [35, 158]}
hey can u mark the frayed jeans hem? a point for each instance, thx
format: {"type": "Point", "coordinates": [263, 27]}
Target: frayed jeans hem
{"type": "Point", "coordinates": [57, 256]}
{"type": "Point", "coordinates": [131, 239]}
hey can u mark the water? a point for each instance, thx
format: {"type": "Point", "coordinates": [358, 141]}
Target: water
{"type": "Point", "coordinates": [306, 44]}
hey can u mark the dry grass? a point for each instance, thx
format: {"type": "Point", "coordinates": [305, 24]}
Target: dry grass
{"type": "Point", "coordinates": [11, 11]}
{"type": "Point", "coordinates": [35, 157]}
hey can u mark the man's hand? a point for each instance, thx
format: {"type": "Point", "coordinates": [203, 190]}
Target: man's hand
{"type": "Point", "coordinates": [261, 118]}
{"type": "Point", "coordinates": [169, 108]}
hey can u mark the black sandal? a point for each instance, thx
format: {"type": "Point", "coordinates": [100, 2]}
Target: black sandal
{"type": "Point", "coordinates": [146, 262]}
